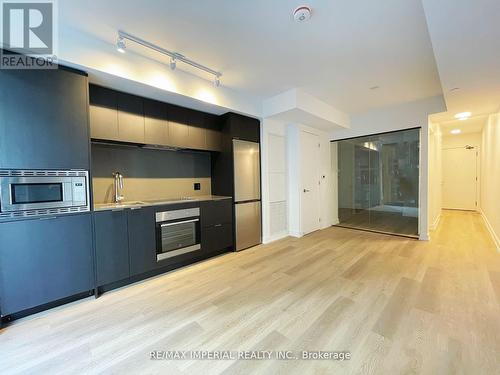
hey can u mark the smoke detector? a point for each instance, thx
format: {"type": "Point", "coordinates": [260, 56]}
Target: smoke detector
{"type": "Point", "coordinates": [302, 13]}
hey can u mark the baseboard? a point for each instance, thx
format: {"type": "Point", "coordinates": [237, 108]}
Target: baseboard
{"type": "Point", "coordinates": [275, 237]}
{"type": "Point", "coordinates": [296, 234]}
{"type": "Point", "coordinates": [496, 240]}
{"type": "Point", "coordinates": [435, 224]}
{"type": "Point", "coordinates": [424, 237]}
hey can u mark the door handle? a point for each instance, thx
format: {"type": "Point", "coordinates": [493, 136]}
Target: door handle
{"type": "Point", "coordinates": [306, 191]}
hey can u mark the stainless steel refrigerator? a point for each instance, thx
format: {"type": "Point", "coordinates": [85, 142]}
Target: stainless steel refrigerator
{"type": "Point", "coordinates": [246, 156]}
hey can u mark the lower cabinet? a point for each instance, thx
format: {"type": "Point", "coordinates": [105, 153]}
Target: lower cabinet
{"type": "Point", "coordinates": [141, 240]}
{"type": "Point", "coordinates": [216, 237]}
{"type": "Point", "coordinates": [125, 240]}
{"type": "Point", "coordinates": [125, 243]}
{"type": "Point", "coordinates": [44, 260]}
{"type": "Point", "coordinates": [217, 227]}
{"type": "Point", "coordinates": [111, 244]}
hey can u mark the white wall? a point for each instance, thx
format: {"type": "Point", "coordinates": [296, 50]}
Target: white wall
{"type": "Point", "coordinates": [401, 116]}
{"type": "Point", "coordinates": [490, 181]}
{"type": "Point", "coordinates": [435, 174]}
{"type": "Point", "coordinates": [386, 119]}
{"type": "Point", "coordinates": [280, 162]}
{"type": "Point", "coordinates": [274, 180]}
{"type": "Point", "coordinates": [461, 140]}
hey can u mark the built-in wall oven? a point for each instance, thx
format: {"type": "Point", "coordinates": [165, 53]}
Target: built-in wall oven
{"type": "Point", "coordinates": [177, 232]}
{"type": "Point", "coordinates": [32, 193]}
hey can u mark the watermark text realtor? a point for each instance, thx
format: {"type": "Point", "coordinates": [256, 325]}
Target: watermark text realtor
{"type": "Point", "coordinates": [258, 355]}
{"type": "Point", "coordinates": [28, 34]}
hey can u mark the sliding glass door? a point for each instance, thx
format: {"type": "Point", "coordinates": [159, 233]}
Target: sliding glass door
{"type": "Point", "coordinates": [378, 182]}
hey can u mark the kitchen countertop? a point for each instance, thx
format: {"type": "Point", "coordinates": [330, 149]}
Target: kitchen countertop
{"type": "Point", "coordinates": [156, 202]}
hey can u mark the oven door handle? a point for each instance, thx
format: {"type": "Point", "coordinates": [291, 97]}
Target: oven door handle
{"type": "Point", "coordinates": [179, 222]}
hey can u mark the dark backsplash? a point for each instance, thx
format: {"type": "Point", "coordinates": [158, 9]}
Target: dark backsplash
{"type": "Point", "coordinates": [146, 163]}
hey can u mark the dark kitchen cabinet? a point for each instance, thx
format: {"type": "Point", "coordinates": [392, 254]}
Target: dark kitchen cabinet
{"type": "Point", "coordinates": [116, 116]}
{"type": "Point", "coordinates": [233, 126]}
{"type": "Point", "coordinates": [217, 238]}
{"type": "Point", "coordinates": [196, 131]}
{"type": "Point", "coordinates": [142, 240]}
{"type": "Point", "coordinates": [111, 245]}
{"type": "Point", "coordinates": [155, 123]}
{"type": "Point", "coordinates": [216, 212]}
{"type": "Point", "coordinates": [44, 119]}
{"type": "Point", "coordinates": [103, 113]}
{"type": "Point", "coordinates": [44, 260]}
{"type": "Point", "coordinates": [121, 117]}
{"type": "Point", "coordinates": [213, 133]}
{"type": "Point", "coordinates": [177, 126]}
{"type": "Point", "coordinates": [130, 118]}
{"type": "Point", "coordinates": [241, 127]}
{"type": "Point", "coordinates": [216, 223]}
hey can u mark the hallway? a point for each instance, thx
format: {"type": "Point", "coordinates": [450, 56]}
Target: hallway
{"type": "Point", "coordinates": [398, 305]}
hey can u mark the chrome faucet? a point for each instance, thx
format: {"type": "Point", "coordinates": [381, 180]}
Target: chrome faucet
{"type": "Point", "coordinates": [118, 187]}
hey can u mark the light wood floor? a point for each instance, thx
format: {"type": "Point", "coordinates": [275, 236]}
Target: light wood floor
{"type": "Point", "coordinates": [400, 306]}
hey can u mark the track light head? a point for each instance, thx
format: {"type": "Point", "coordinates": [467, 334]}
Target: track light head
{"type": "Point", "coordinates": [173, 63]}
{"type": "Point", "coordinates": [217, 81]}
{"type": "Point", "coordinates": [120, 45]}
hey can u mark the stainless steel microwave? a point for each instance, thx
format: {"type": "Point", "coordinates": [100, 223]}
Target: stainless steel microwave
{"type": "Point", "coordinates": [28, 193]}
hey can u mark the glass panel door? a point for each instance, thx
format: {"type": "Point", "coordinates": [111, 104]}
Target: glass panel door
{"type": "Point", "coordinates": [378, 182]}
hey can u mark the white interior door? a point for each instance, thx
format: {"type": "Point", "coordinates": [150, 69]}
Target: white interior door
{"type": "Point", "coordinates": [310, 192]}
{"type": "Point", "coordinates": [460, 178]}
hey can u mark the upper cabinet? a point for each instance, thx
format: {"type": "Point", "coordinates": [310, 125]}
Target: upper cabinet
{"type": "Point", "coordinates": [121, 117]}
{"type": "Point", "coordinates": [177, 126]}
{"type": "Point", "coordinates": [196, 131]}
{"type": "Point", "coordinates": [213, 133]}
{"type": "Point", "coordinates": [44, 119]}
{"type": "Point", "coordinates": [103, 113]}
{"type": "Point", "coordinates": [116, 116]}
{"type": "Point", "coordinates": [130, 118]}
{"type": "Point", "coordinates": [241, 127]}
{"type": "Point", "coordinates": [156, 131]}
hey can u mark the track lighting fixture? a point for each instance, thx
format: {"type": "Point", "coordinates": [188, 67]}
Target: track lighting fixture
{"type": "Point", "coordinates": [217, 81]}
{"type": "Point", "coordinates": [173, 63]}
{"type": "Point", "coordinates": [120, 45]}
{"type": "Point", "coordinates": [174, 56]}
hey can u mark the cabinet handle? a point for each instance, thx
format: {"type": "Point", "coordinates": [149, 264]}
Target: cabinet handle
{"type": "Point", "coordinates": [117, 210]}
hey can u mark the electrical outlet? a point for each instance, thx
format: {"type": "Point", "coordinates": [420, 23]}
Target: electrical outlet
{"type": "Point", "coordinates": [197, 186]}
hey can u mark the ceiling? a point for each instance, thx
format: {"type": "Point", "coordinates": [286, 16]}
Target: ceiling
{"type": "Point", "coordinates": [346, 47]}
{"type": "Point", "coordinates": [466, 38]}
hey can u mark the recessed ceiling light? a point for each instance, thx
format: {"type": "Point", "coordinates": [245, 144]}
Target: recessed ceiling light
{"type": "Point", "coordinates": [462, 115]}
{"type": "Point", "coordinates": [456, 131]}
